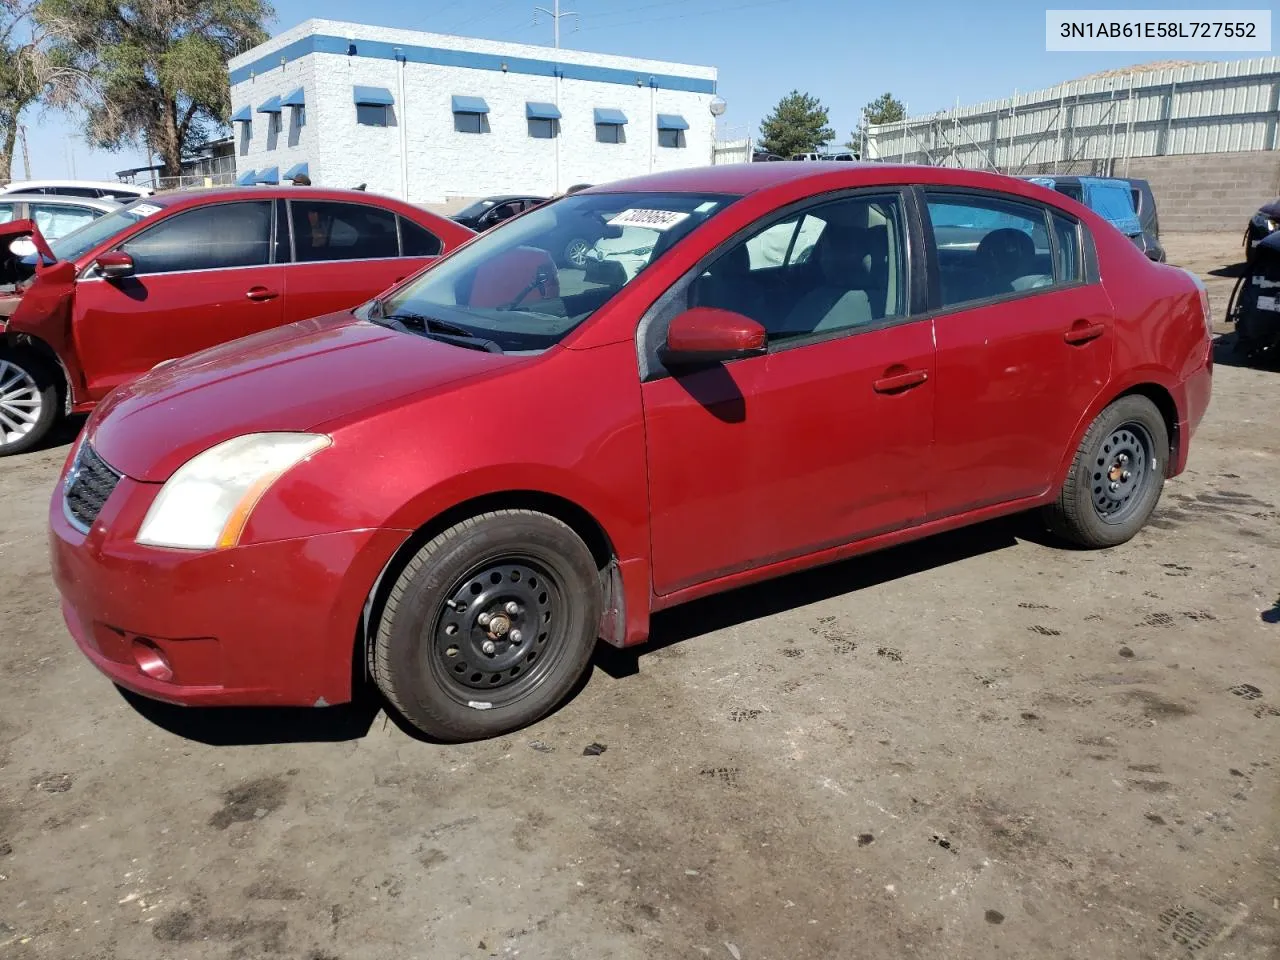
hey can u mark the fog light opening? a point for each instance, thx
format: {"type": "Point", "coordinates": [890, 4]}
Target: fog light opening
{"type": "Point", "coordinates": [151, 660]}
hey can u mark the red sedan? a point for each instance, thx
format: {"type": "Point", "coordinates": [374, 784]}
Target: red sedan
{"type": "Point", "coordinates": [460, 486]}
{"type": "Point", "coordinates": [176, 273]}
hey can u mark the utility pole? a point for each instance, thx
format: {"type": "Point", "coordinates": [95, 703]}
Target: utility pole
{"type": "Point", "coordinates": [26, 156]}
{"type": "Point", "coordinates": [556, 15]}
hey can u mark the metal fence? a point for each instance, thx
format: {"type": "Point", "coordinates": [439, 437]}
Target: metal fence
{"type": "Point", "coordinates": [1095, 125]}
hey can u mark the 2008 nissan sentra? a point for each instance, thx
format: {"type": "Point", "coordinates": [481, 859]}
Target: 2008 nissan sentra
{"type": "Point", "coordinates": [460, 487]}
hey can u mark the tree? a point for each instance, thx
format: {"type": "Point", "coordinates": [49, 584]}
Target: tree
{"type": "Point", "coordinates": [30, 70]}
{"type": "Point", "coordinates": [155, 70]}
{"type": "Point", "coordinates": [798, 124]}
{"type": "Point", "coordinates": [885, 108]}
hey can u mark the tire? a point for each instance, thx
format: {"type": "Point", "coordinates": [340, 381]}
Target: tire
{"type": "Point", "coordinates": [1128, 446]}
{"type": "Point", "coordinates": [429, 655]}
{"type": "Point", "coordinates": [575, 252]}
{"type": "Point", "coordinates": [28, 401]}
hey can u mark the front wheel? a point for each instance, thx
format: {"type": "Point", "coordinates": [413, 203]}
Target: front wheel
{"type": "Point", "coordinates": [28, 401]}
{"type": "Point", "coordinates": [1116, 477]}
{"type": "Point", "coordinates": [489, 626]}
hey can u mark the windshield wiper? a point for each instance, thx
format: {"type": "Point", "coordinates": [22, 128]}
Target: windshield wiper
{"type": "Point", "coordinates": [432, 327]}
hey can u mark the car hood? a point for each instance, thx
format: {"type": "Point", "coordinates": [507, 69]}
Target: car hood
{"type": "Point", "coordinates": [296, 377]}
{"type": "Point", "coordinates": [1271, 209]}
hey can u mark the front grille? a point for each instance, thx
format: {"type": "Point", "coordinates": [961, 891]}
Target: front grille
{"type": "Point", "coordinates": [89, 484]}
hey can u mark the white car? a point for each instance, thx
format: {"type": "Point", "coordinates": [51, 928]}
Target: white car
{"type": "Point", "coordinates": [106, 189]}
{"type": "Point", "coordinates": [55, 216]}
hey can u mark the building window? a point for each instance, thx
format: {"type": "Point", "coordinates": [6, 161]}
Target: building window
{"type": "Point", "coordinates": [470, 123]}
{"type": "Point", "coordinates": [300, 116]}
{"type": "Point", "coordinates": [542, 129]}
{"type": "Point", "coordinates": [371, 114]}
{"type": "Point", "coordinates": [610, 133]}
{"type": "Point", "coordinates": [671, 138]}
{"type": "Point", "coordinates": [274, 121]}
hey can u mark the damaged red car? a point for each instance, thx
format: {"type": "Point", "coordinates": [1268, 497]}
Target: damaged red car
{"type": "Point", "coordinates": [457, 488]}
{"type": "Point", "coordinates": [172, 274]}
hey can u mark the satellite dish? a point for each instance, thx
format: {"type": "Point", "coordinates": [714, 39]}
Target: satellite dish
{"type": "Point", "coordinates": [718, 107]}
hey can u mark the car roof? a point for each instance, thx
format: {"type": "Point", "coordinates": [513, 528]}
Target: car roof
{"type": "Point", "coordinates": [198, 196]}
{"type": "Point", "coordinates": [740, 179]}
{"type": "Point", "coordinates": [16, 186]}
{"type": "Point", "coordinates": [56, 199]}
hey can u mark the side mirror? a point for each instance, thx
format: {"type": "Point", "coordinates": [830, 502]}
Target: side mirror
{"type": "Point", "coordinates": [23, 247]}
{"type": "Point", "coordinates": [707, 335]}
{"type": "Point", "coordinates": [115, 265]}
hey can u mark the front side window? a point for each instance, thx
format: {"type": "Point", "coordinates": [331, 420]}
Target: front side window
{"type": "Point", "coordinates": [526, 286]}
{"type": "Point", "coordinates": [207, 238]}
{"type": "Point", "coordinates": [342, 231]}
{"type": "Point", "coordinates": [988, 247]}
{"type": "Point", "coordinates": [834, 267]}
{"type": "Point", "coordinates": [371, 114]}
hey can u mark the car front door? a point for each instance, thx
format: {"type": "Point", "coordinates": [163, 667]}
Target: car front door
{"type": "Point", "coordinates": [201, 277]}
{"type": "Point", "coordinates": [344, 253]}
{"type": "Point", "coordinates": [1024, 335]}
{"type": "Point", "coordinates": [823, 440]}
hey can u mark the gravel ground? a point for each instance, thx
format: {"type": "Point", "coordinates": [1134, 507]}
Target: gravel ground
{"type": "Point", "coordinates": [976, 746]}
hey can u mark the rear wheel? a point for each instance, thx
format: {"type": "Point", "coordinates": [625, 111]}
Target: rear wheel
{"type": "Point", "coordinates": [1116, 478]}
{"type": "Point", "coordinates": [28, 401]}
{"type": "Point", "coordinates": [489, 626]}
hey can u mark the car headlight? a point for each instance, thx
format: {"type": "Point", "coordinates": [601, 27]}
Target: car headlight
{"type": "Point", "coordinates": [207, 502]}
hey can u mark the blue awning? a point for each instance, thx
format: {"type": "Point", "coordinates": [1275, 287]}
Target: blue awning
{"type": "Point", "coordinates": [294, 99]}
{"type": "Point", "coordinates": [672, 121]}
{"type": "Point", "coordinates": [243, 115]}
{"type": "Point", "coordinates": [607, 115]}
{"type": "Point", "coordinates": [372, 96]}
{"type": "Point", "coordinates": [297, 170]}
{"type": "Point", "coordinates": [269, 175]}
{"type": "Point", "coordinates": [247, 179]}
{"type": "Point", "coordinates": [271, 106]}
{"type": "Point", "coordinates": [470, 105]}
{"type": "Point", "coordinates": [541, 111]}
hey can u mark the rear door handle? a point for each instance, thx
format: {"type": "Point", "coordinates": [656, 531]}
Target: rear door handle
{"type": "Point", "coordinates": [261, 293]}
{"type": "Point", "coordinates": [897, 382]}
{"type": "Point", "coordinates": [1082, 331]}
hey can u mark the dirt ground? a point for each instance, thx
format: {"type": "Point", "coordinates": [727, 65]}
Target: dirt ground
{"type": "Point", "coordinates": [978, 746]}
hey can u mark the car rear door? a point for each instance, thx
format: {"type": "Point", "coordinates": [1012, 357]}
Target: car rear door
{"type": "Point", "coordinates": [1024, 346]}
{"type": "Point", "coordinates": [824, 440]}
{"type": "Point", "coordinates": [202, 276]}
{"type": "Point", "coordinates": [344, 253]}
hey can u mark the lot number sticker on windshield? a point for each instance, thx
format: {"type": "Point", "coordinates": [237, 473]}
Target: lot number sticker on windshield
{"type": "Point", "coordinates": [650, 219]}
{"type": "Point", "coordinates": [144, 209]}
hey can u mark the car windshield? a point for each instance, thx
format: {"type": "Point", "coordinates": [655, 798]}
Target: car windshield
{"type": "Point", "coordinates": [525, 285]}
{"type": "Point", "coordinates": [477, 208]}
{"type": "Point", "coordinates": [77, 243]}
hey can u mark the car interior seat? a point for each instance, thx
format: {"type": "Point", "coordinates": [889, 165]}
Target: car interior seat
{"type": "Point", "coordinates": [840, 300]}
{"type": "Point", "coordinates": [729, 285]}
{"type": "Point", "coordinates": [1006, 261]}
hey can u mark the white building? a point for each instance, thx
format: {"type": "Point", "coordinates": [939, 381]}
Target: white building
{"type": "Point", "coordinates": [436, 119]}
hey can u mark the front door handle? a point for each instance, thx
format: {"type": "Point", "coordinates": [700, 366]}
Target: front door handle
{"type": "Point", "coordinates": [258, 294]}
{"type": "Point", "coordinates": [1082, 331]}
{"type": "Point", "coordinates": [899, 378]}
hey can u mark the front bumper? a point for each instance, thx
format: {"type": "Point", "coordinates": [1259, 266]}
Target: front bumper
{"type": "Point", "coordinates": [270, 624]}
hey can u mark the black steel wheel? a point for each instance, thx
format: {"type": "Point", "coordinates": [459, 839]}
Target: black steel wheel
{"type": "Point", "coordinates": [1116, 477]}
{"type": "Point", "coordinates": [489, 625]}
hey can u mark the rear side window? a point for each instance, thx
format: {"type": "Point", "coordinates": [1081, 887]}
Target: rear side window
{"type": "Point", "coordinates": [1068, 264]}
{"type": "Point", "coordinates": [988, 247]}
{"type": "Point", "coordinates": [207, 238]}
{"type": "Point", "coordinates": [342, 231]}
{"type": "Point", "coordinates": [6, 212]}
{"type": "Point", "coordinates": [416, 241]}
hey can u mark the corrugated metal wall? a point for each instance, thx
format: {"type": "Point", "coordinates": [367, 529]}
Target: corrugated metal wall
{"type": "Point", "coordinates": [1085, 125]}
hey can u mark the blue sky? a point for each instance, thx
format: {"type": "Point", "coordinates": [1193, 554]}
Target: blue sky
{"type": "Point", "coordinates": [926, 52]}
